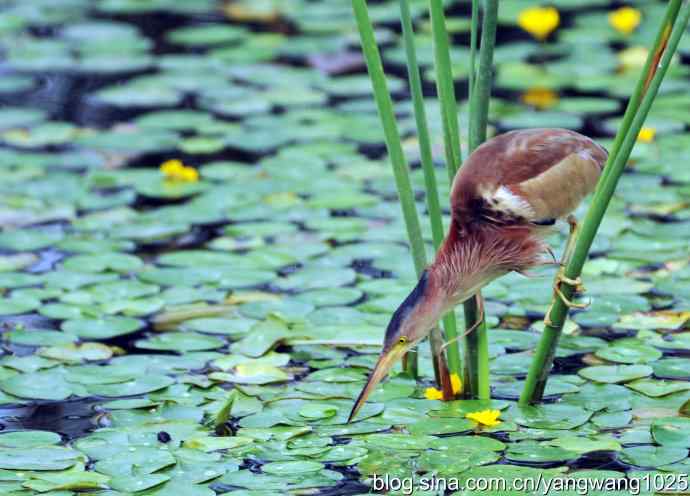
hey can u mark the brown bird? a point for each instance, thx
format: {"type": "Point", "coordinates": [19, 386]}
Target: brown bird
{"type": "Point", "coordinates": [508, 190]}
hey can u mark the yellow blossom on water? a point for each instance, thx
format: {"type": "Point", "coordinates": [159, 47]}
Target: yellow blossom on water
{"type": "Point", "coordinates": [633, 58]}
{"type": "Point", "coordinates": [456, 383]}
{"type": "Point", "coordinates": [625, 20]}
{"type": "Point", "coordinates": [433, 394]}
{"type": "Point", "coordinates": [171, 166]}
{"type": "Point", "coordinates": [174, 170]}
{"type": "Point", "coordinates": [540, 22]}
{"type": "Point", "coordinates": [189, 174]}
{"type": "Point", "coordinates": [541, 98]}
{"type": "Point", "coordinates": [485, 417]}
{"type": "Point", "coordinates": [646, 135]}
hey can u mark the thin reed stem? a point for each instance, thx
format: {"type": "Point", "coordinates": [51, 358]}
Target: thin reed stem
{"type": "Point", "coordinates": [432, 200]}
{"type": "Point", "coordinates": [477, 342]}
{"type": "Point", "coordinates": [393, 145]}
{"type": "Point", "coordinates": [445, 88]}
{"type": "Point", "coordinates": [474, 34]}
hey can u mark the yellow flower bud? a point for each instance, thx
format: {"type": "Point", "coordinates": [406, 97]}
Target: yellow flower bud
{"type": "Point", "coordinates": [174, 170]}
{"type": "Point", "coordinates": [171, 166]}
{"type": "Point", "coordinates": [625, 20]}
{"type": "Point", "coordinates": [541, 98]}
{"type": "Point", "coordinates": [646, 135]}
{"type": "Point", "coordinates": [456, 383]}
{"type": "Point", "coordinates": [540, 22]}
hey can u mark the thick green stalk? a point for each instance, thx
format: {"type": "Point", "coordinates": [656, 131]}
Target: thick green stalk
{"type": "Point", "coordinates": [393, 144]}
{"type": "Point", "coordinates": [655, 69]}
{"type": "Point", "coordinates": [445, 88]}
{"type": "Point", "coordinates": [477, 341]}
{"type": "Point", "coordinates": [433, 205]}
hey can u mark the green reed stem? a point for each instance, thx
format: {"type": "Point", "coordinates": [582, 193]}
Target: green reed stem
{"type": "Point", "coordinates": [641, 86]}
{"type": "Point", "coordinates": [393, 145]}
{"type": "Point", "coordinates": [433, 205]}
{"type": "Point", "coordinates": [481, 94]}
{"type": "Point", "coordinates": [474, 34]}
{"type": "Point", "coordinates": [477, 341]}
{"type": "Point", "coordinates": [658, 61]}
{"type": "Point", "coordinates": [445, 88]}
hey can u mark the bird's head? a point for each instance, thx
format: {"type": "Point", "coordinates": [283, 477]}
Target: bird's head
{"type": "Point", "coordinates": [411, 322]}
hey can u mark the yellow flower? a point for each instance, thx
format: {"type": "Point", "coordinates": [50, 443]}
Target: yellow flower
{"type": "Point", "coordinates": [456, 383]}
{"type": "Point", "coordinates": [171, 166]}
{"type": "Point", "coordinates": [189, 174]}
{"type": "Point", "coordinates": [625, 20]}
{"type": "Point", "coordinates": [174, 170]}
{"type": "Point", "coordinates": [433, 394]}
{"type": "Point", "coordinates": [540, 22]}
{"type": "Point", "coordinates": [646, 135]}
{"type": "Point", "coordinates": [541, 98]}
{"type": "Point", "coordinates": [485, 417]}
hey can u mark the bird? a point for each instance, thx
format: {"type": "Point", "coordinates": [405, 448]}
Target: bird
{"type": "Point", "coordinates": [504, 200]}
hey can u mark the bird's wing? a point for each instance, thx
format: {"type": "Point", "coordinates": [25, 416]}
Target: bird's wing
{"type": "Point", "coordinates": [526, 176]}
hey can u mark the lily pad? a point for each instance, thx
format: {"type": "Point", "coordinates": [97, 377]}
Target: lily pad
{"type": "Point", "coordinates": [102, 328]}
{"type": "Point", "coordinates": [615, 373]}
{"type": "Point", "coordinates": [672, 431]}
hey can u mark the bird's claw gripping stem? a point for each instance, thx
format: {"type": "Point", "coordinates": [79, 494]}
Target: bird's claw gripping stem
{"type": "Point", "coordinates": [578, 287]}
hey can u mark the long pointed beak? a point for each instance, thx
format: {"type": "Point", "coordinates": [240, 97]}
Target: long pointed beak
{"type": "Point", "coordinates": [383, 366]}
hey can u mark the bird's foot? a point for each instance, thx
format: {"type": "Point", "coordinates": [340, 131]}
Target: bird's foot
{"type": "Point", "coordinates": [578, 288]}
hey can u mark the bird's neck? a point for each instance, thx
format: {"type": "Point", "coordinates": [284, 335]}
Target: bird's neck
{"type": "Point", "coordinates": [470, 260]}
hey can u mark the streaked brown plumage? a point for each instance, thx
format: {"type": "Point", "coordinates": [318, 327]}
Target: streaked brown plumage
{"type": "Point", "coordinates": [502, 197]}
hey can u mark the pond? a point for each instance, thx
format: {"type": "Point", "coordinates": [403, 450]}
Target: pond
{"type": "Point", "coordinates": [202, 245]}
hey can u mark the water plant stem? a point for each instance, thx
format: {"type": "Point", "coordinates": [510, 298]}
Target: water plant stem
{"type": "Point", "coordinates": [477, 341]}
{"type": "Point", "coordinates": [393, 145]}
{"type": "Point", "coordinates": [656, 66]}
{"type": "Point", "coordinates": [432, 200]}
{"type": "Point", "coordinates": [474, 34]}
{"type": "Point", "coordinates": [445, 88]}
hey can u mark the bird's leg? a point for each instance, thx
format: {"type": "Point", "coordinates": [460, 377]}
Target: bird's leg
{"type": "Point", "coordinates": [561, 277]}
{"type": "Point", "coordinates": [440, 365]}
{"type": "Point", "coordinates": [553, 256]}
{"type": "Point", "coordinates": [480, 307]}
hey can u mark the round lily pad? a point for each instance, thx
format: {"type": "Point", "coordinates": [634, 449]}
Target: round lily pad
{"type": "Point", "coordinates": [28, 439]}
{"type": "Point", "coordinates": [672, 431]}
{"type": "Point", "coordinates": [180, 341]}
{"type": "Point", "coordinates": [615, 373]}
{"type": "Point", "coordinates": [101, 328]}
{"type": "Point", "coordinates": [140, 385]}
{"type": "Point", "coordinates": [652, 456]}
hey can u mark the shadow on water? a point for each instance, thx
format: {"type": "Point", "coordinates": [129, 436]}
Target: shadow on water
{"type": "Point", "coordinates": [70, 419]}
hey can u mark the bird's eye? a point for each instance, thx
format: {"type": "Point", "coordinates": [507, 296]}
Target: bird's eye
{"type": "Point", "coordinates": [402, 340]}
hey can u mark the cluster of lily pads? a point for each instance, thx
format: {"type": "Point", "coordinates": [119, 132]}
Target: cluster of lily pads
{"type": "Point", "coordinates": [202, 246]}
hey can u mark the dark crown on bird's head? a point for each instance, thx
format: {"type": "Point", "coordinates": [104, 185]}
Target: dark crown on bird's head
{"type": "Point", "coordinates": [393, 329]}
